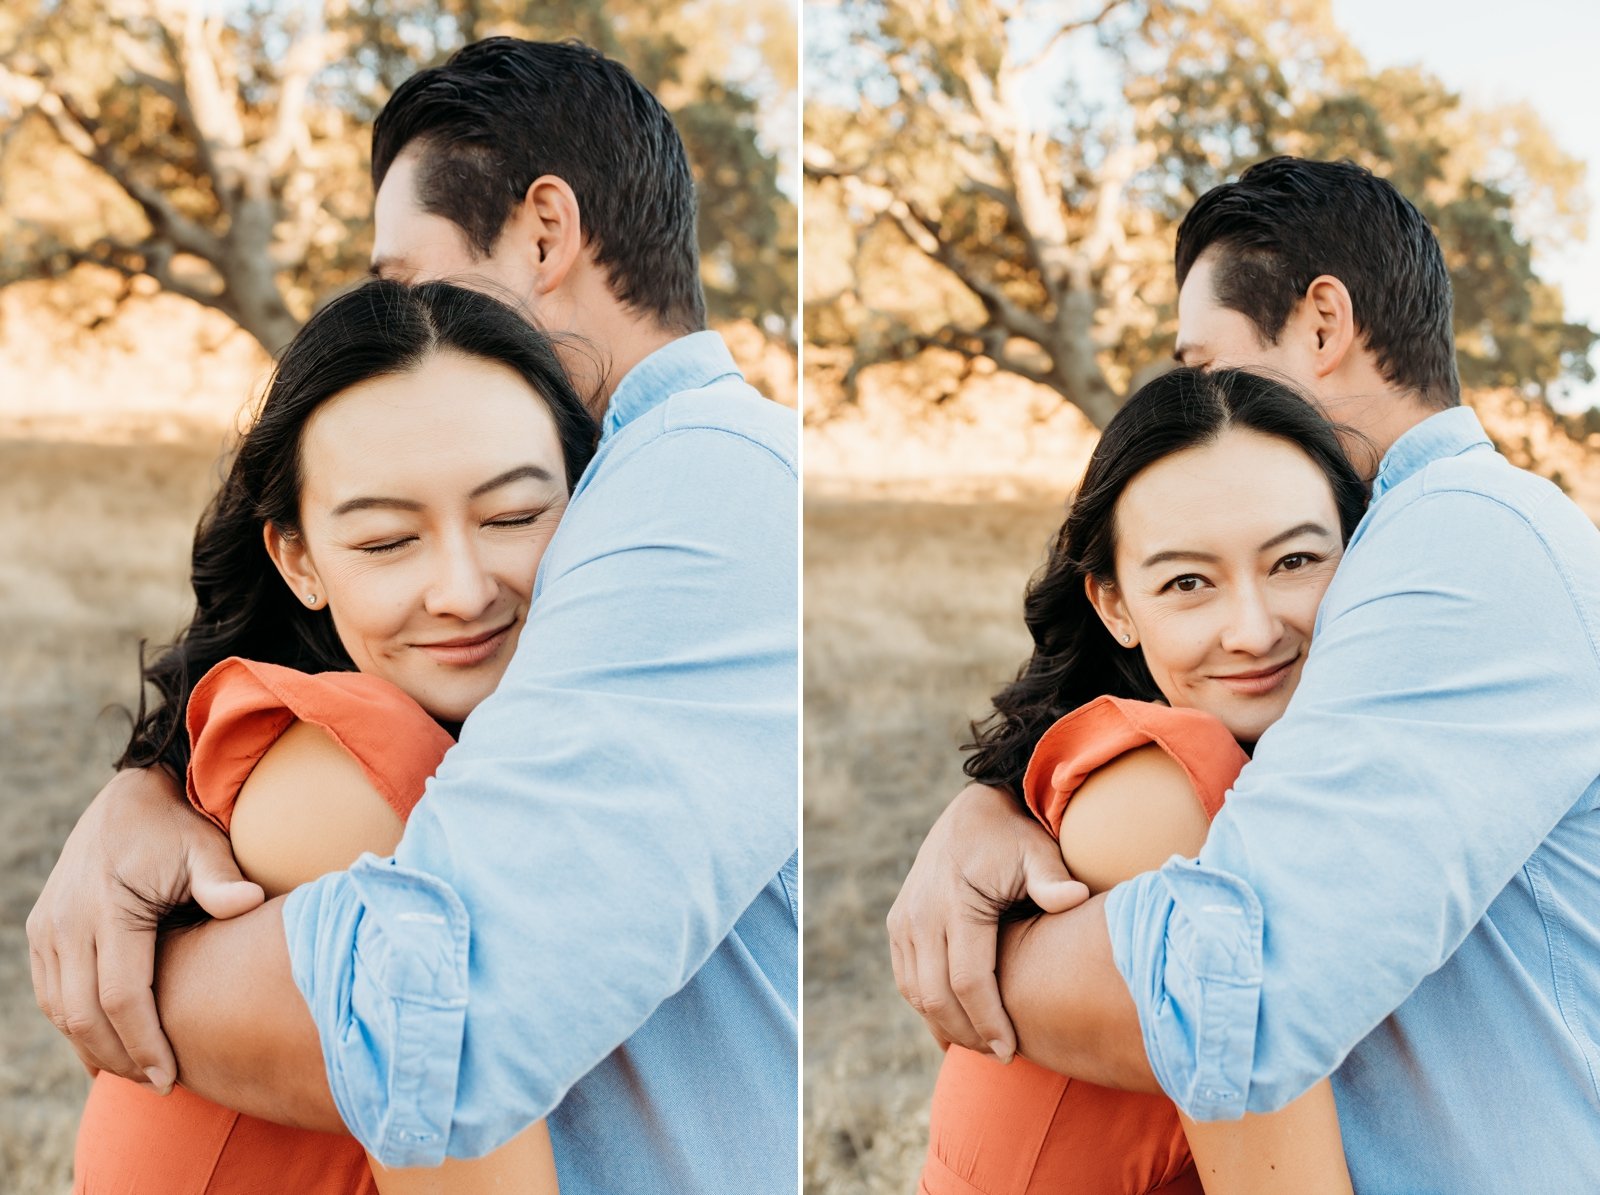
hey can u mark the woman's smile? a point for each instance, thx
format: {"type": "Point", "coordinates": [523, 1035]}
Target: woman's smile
{"type": "Point", "coordinates": [468, 651]}
{"type": "Point", "coordinates": [1259, 682]}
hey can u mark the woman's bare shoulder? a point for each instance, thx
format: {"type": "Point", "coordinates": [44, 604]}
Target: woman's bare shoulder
{"type": "Point", "coordinates": [308, 808]}
{"type": "Point", "coordinates": [1130, 816]}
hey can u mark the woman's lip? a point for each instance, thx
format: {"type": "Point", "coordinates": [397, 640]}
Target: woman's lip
{"type": "Point", "coordinates": [1257, 683]}
{"type": "Point", "coordinates": [467, 651]}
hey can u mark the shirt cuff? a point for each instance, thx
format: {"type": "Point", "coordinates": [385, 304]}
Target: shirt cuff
{"type": "Point", "coordinates": [1187, 941]}
{"type": "Point", "coordinates": [380, 954]}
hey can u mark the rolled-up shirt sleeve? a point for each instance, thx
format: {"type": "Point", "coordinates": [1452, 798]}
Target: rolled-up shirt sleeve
{"type": "Point", "coordinates": [1448, 717]}
{"type": "Point", "coordinates": [607, 816]}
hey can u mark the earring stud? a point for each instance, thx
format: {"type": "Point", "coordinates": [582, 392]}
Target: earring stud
{"type": "Point", "coordinates": [311, 600]}
{"type": "Point", "coordinates": [1126, 636]}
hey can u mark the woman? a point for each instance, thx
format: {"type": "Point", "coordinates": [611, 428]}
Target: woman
{"type": "Point", "coordinates": [1170, 625]}
{"type": "Point", "coordinates": [361, 581]}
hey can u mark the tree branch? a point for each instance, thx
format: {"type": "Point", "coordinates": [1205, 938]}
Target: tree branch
{"type": "Point", "coordinates": [926, 234]}
{"type": "Point", "coordinates": [1067, 30]}
{"type": "Point", "coordinates": [82, 134]}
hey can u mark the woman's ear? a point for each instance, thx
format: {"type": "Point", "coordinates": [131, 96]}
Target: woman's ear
{"type": "Point", "coordinates": [293, 561]}
{"type": "Point", "coordinates": [549, 224]}
{"type": "Point", "coordinates": [1107, 601]}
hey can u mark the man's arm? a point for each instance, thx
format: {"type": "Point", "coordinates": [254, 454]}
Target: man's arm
{"type": "Point", "coordinates": [1070, 1006]}
{"type": "Point", "coordinates": [241, 1031]}
{"type": "Point", "coordinates": [138, 848]}
{"type": "Point", "coordinates": [608, 815]}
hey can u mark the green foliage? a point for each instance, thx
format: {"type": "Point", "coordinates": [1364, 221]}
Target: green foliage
{"type": "Point", "coordinates": [222, 150]}
{"type": "Point", "coordinates": [1054, 162]}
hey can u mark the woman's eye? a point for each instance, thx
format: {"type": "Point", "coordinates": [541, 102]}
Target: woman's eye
{"type": "Point", "coordinates": [1296, 561]}
{"type": "Point", "coordinates": [516, 520]}
{"type": "Point", "coordinates": [1188, 583]}
{"type": "Point", "coordinates": [386, 546]}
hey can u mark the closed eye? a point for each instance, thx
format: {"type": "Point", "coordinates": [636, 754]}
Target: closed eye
{"type": "Point", "coordinates": [388, 546]}
{"type": "Point", "coordinates": [517, 520]}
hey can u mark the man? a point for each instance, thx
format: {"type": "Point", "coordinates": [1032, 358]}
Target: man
{"type": "Point", "coordinates": [614, 838]}
{"type": "Point", "coordinates": [1402, 888]}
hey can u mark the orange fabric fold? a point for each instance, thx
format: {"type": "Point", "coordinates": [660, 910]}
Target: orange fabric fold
{"type": "Point", "coordinates": [1092, 735]}
{"type": "Point", "coordinates": [241, 708]}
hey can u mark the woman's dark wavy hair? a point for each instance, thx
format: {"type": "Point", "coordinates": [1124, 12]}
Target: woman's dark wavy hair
{"type": "Point", "coordinates": [242, 606]}
{"type": "Point", "coordinates": [1074, 657]}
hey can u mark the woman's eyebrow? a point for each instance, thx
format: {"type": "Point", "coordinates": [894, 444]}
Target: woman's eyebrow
{"type": "Point", "coordinates": [536, 472]}
{"type": "Point", "coordinates": [1165, 557]}
{"type": "Point", "coordinates": [1293, 532]}
{"type": "Point", "coordinates": [1209, 558]}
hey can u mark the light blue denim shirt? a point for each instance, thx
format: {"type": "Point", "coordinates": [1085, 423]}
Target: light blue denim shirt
{"type": "Point", "coordinates": [595, 903]}
{"type": "Point", "coordinates": [1404, 883]}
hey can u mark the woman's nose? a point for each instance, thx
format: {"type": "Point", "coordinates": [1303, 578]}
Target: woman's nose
{"type": "Point", "coordinates": [462, 585]}
{"type": "Point", "coordinates": [1254, 627]}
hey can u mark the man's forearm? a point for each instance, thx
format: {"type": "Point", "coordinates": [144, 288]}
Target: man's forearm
{"type": "Point", "coordinates": [240, 1028]}
{"type": "Point", "coordinates": [1070, 1006]}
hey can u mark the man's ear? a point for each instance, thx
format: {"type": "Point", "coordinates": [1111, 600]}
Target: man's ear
{"type": "Point", "coordinates": [550, 225]}
{"type": "Point", "coordinates": [1107, 601]}
{"type": "Point", "coordinates": [1329, 323]}
{"type": "Point", "coordinates": [293, 562]}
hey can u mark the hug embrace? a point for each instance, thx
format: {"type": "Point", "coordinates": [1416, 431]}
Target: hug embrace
{"type": "Point", "coordinates": [480, 749]}
{"type": "Point", "coordinates": [1302, 775]}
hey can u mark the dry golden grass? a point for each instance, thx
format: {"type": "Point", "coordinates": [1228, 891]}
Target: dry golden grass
{"type": "Point", "coordinates": [912, 618]}
{"type": "Point", "coordinates": [93, 555]}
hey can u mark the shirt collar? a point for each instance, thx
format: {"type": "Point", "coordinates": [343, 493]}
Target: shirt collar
{"type": "Point", "coordinates": [1449, 433]}
{"type": "Point", "coordinates": [687, 363]}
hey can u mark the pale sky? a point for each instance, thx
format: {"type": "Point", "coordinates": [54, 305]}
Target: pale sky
{"type": "Point", "coordinates": [1543, 52]}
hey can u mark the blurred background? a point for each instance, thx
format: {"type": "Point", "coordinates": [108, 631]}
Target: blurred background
{"type": "Point", "coordinates": [180, 184]}
{"type": "Point", "coordinates": [991, 193]}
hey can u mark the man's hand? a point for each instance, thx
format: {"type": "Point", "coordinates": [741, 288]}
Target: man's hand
{"type": "Point", "coordinates": [983, 855]}
{"type": "Point", "coordinates": [137, 850]}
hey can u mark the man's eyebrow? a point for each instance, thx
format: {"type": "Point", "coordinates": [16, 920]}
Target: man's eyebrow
{"type": "Point", "coordinates": [537, 472]}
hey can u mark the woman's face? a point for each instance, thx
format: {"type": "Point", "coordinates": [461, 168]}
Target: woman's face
{"type": "Point", "coordinates": [427, 501]}
{"type": "Point", "coordinates": [1223, 554]}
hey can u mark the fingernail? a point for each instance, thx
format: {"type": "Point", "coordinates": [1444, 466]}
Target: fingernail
{"type": "Point", "coordinates": [158, 1079]}
{"type": "Point", "coordinates": [1002, 1052]}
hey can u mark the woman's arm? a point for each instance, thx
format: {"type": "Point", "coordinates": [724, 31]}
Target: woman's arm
{"type": "Point", "coordinates": [306, 809]}
{"type": "Point", "coordinates": [1130, 817]}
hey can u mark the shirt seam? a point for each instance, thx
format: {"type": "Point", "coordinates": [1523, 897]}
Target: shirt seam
{"type": "Point", "coordinates": [768, 449]}
{"type": "Point", "coordinates": [1556, 562]}
{"type": "Point", "coordinates": [617, 457]}
{"type": "Point", "coordinates": [1562, 980]}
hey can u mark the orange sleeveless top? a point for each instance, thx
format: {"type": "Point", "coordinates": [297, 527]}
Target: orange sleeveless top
{"type": "Point", "coordinates": [134, 1142]}
{"type": "Point", "coordinates": [1022, 1129]}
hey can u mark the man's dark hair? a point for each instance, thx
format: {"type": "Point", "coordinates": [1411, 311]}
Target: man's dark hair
{"type": "Point", "coordinates": [503, 112]}
{"type": "Point", "coordinates": [1289, 220]}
